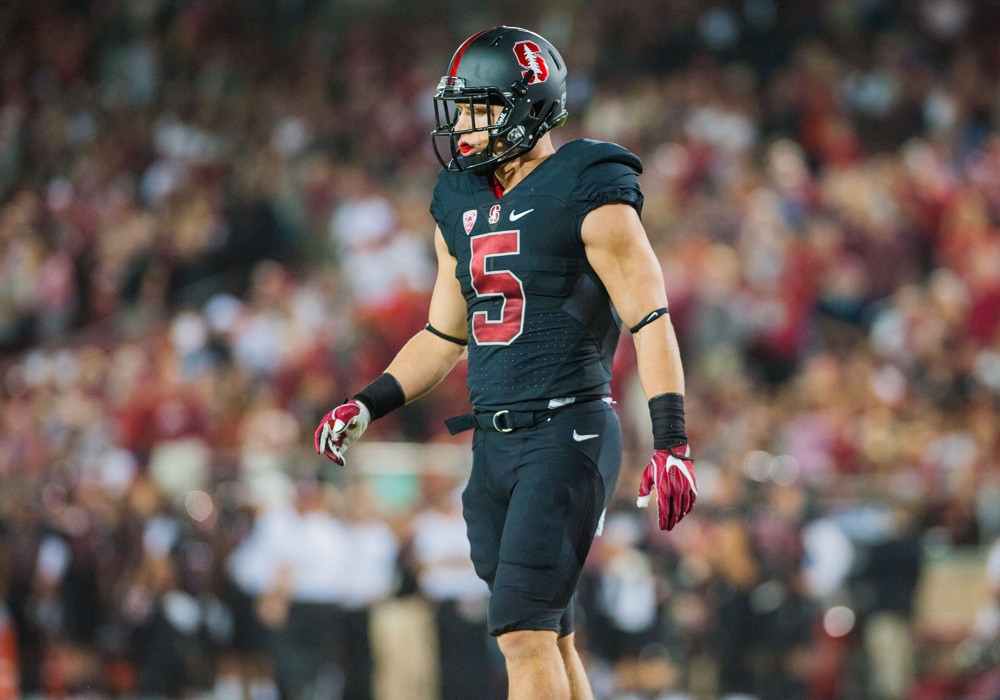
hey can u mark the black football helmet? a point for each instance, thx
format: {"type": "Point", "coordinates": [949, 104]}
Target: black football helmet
{"type": "Point", "coordinates": [506, 66]}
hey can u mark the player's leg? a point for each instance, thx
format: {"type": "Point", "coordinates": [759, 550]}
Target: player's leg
{"type": "Point", "coordinates": [552, 516]}
{"type": "Point", "coordinates": [539, 664]}
{"type": "Point", "coordinates": [548, 531]}
{"type": "Point", "coordinates": [579, 685]}
{"type": "Point", "coordinates": [534, 665]}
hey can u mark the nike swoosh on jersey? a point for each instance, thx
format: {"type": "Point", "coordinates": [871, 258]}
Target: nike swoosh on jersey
{"type": "Point", "coordinates": [581, 438]}
{"type": "Point", "coordinates": [515, 216]}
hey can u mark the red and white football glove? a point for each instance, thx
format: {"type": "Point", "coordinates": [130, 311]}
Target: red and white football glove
{"type": "Point", "coordinates": [340, 428]}
{"type": "Point", "coordinates": [670, 474]}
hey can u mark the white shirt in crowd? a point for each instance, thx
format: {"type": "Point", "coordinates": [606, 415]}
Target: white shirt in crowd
{"type": "Point", "coordinates": [444, 562]}
{"type": "Point", "coordinates": [329, 561]}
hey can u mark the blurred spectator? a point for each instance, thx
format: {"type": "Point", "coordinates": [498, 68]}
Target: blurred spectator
{"type": "Point", "coordinates": [295, 561]}
{"type": "Point", "coordinates": [624, 602]}
{"type": "Point", "coordinates": [10, 682]}
{"type": "Point", "coordinates": [888, 581]}
{"type": "Point", "coordinates": [170, 627]}
{"type": "Point", "coordinates": [980, 651]}
{"type": "Point", "coordinates": [370, 575]}
{"type": "Point", "coordinates": [446, 577]}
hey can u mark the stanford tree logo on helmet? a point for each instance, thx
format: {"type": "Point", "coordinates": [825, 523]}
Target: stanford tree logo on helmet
{"type": "Point", "coordinates": [529, 56]}
{"type": "Point", "coordinates": [507, 67]}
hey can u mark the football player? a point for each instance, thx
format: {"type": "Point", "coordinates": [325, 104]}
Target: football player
{"type": "Point", "coordinates": [541, 257]}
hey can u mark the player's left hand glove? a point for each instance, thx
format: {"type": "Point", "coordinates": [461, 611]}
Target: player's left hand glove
{"type": "Point", "coordinates": [670, 474]}
{"type": "Point", "coordinates": [340, 428]}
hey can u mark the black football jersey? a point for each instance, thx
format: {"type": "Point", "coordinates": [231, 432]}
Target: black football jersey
{"type": "Point", "coordinates": [541, 324]}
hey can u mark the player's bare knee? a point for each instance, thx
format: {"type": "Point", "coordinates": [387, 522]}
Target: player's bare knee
{"type": "Point", "coordinates": [524, 644]}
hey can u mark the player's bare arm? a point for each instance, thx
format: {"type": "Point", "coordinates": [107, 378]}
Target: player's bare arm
{"type": "Point", "coordinates": [427, 358]}
{"type": "Point", "coordinates": [619, 251]}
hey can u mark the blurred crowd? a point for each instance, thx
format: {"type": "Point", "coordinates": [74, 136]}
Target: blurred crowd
{"type": "Point", "coordinates": [214, 226]}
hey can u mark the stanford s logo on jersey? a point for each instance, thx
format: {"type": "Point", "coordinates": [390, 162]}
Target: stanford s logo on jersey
{"type": "Point", "coordinates": [529, 56]}
{"type": "Point", "coordinates": [469, 220]}
{"type": "Point", "coordinates": [494, 213]}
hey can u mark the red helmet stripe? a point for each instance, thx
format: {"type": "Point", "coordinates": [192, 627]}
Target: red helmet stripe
{"type": "Point", "coordinates": [453, 70]}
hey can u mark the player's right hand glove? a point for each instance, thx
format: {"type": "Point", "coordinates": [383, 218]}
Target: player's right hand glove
{"type": "Point", "coordinates": [671, 475]}
{"type": "Point", "coordinates": [340, 428]}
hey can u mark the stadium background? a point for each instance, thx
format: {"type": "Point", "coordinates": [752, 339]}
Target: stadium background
{"type": "Point", "coordinates": [213, 226]}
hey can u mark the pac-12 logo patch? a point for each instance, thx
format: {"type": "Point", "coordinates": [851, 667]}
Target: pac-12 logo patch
{"type": "Point", "coordinates": [469, 220]}
{"type": "Point", "coordinates": [494, 213]}
{"type": "Point", "coordinates": [529, 56]}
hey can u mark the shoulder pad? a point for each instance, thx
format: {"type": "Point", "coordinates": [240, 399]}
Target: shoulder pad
{"type": "Point", "coordinates": [587, 152]}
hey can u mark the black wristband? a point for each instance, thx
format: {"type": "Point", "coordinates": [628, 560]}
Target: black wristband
{"type": "Point", "coordinates": [667, 414]}
{"type": "Point", "coordinates": [382, 396]}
